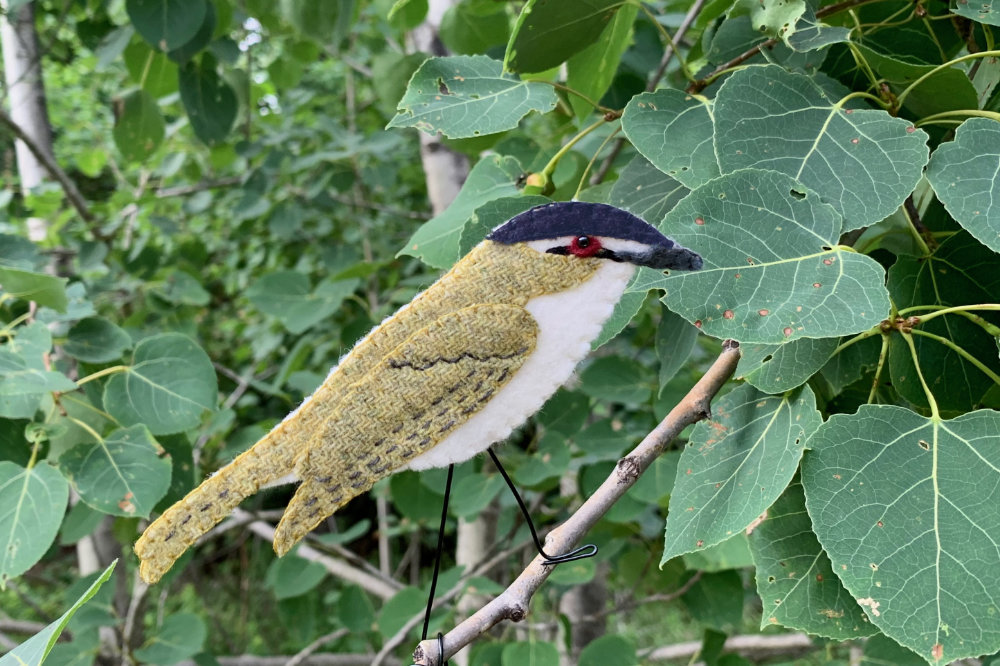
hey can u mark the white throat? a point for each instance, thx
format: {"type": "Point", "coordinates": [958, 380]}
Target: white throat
{"type": "Point", "coordinates": [567, 323]}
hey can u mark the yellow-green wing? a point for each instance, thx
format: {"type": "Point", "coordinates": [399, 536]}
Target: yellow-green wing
{"type": "Point", "coordinates": [415, 397]}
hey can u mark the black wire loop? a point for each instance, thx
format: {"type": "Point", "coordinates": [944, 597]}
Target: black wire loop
{"type": "Point", "coordinates": [581, 553]}
{"type": "Point", "coordinates": [437, 567]}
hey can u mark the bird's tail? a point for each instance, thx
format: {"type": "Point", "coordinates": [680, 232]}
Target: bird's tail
{"type": "Point", "coordinates": [180, 526]}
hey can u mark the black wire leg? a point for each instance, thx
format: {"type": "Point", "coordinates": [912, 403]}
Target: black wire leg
{"type": "Point", "coordinates": [581, 553]}
{"type": "Point", "coordinates": [437, 568]}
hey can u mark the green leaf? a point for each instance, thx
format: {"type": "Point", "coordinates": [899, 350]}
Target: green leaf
{"type": "Point", "coordinates": [293, 576]}
{"type": "Point", "coordinates": [773, 270]}
{"type": "Point", "coordinates": [123, 474]}
{"type": "Point", "coordinates": [609, 651]}
{"type": "Point", "coordinates": [473, 493]}
{"type": "Point", "coordinates": [96, 340]}
{"type": "Point", "coordinates": [940, 89]}
{"type": "Point", "coordinates": [982, 11]}
{"type": "Point", "coordinates": [80, 521]}
{"type": "Point", "coordinates": [736, 465]}
{"type": "Point", "coordinates": [210, 102]}
{"type": "Point", "coordinates": [181, 288]}
{"type": "Point", "coordinates": [32, 504]}
{"type": "Point", "coordinates": [30, 286]}
{"type": "Point", "coordinates": [550, 461]}
{"type": "Point", "coordinates": [315, 19]}
{"type": "Point", "coordinates": [181, 636]}
{"type": "Point", "coordinates": [733, 553]}
{"type": "Point", "coordinates": [467, 30]}
{"type": "Point", "coordinates": [658, 481]}
{"type": "Point", "coordinates": [675, 340]}
{"type": "Point", "coordinates": [286, 296]}
{"type": "Point", "coordinates": [168, 387]}
{"type": "Point", "coordinates": [466, 96]}
{"type": "Point", "coordinates": [33, 651]}
{"type": "Point", "coordinates": [881, 650]}
{"type": "Point", "coordinates": [437, 242]}
{"type": "Point", "coordinates": [529, 653]}
{"type": "Point", "coordinates": [964, 175]}
{"type": "Point", "coordinates": [863, 162]}
{"type": "Point", "coordinates": [565, 412]}
{"type": "Point", "coordinates": [905, 506]}
{"type": "Point", "coordinates": [201, 39]}
{"type": "Point", "coordinates": [716, 600]}
{"type": "Point", "coordinates": [795, 579]}
{"type": "Point", "coordinates": [413, 499]}
{"type": "Point", "coordinates": [778, 368]}
{"type": "Point", "coordinates": [18, 378]}
{"type": "Point", "coordinates": [400, 609]}
{"type": "Point", "coordinates": [961, 271]}
{"type": "Point", "coordinates": [645, 191]}
{"type": "Point", "coordinates": [774, 18]}
{"type": "Point", "coordinates": [851, 363]}
{"type": "Point", "coordinates": [139, 126]}
{"type": "Point", "coordinates": [591, 71]}
{"type": "Point", "coordinates": [673, 130]}
{"type": "Point", "coordinates": [625, 310]}
{"type": "Point", "coordinates": [407, 14]}
{"type": "Point", "coordinates": [616, 379]}
{"type": "Point", "coordinates": [548, 33]}
{"type": "Point", "coordinates": [578, 572]}
{"type": "Point", "coordinates": [355, 610]}
{"type": "Point", "coordinates": [166, 24]}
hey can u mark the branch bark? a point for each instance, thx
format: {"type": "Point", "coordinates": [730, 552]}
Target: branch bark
{"type": "Point", "coordinates": [753, 646]}
{"type": "Point", "coordinates": [380, 588]}
{"type": "Point", "coordinates": [512, 604]}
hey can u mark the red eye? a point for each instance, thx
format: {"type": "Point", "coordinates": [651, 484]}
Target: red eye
{"type": "Point", "coordinates": [584, 246]}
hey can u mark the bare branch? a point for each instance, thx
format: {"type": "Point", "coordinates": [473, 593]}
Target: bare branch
{"type": "Point", "coordinates": [321, 659]}
{"type": "Point", "coordinates": [512, 604]}
{"type": "Point", "coordinates": [383, 589]}
{"type": "Point", "coordinates": [753, 646]}
{"type": "Point", "coordinates": [305, 652]}
{"type": "Point", "coordinates": [69, 187]}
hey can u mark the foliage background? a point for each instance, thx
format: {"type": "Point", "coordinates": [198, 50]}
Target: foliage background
{"type": "Point", "coordinates": [252, 206]}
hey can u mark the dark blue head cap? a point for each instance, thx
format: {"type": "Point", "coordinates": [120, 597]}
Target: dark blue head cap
{"type": "Point", "coordinates": [579, 218]}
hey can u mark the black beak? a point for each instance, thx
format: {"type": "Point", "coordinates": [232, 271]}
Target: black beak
{"type": "Point", "coordinates": [661, 257]}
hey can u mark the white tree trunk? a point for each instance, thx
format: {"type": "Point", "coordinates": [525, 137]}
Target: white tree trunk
{"type": "Point", "coordinates": [26, 94]}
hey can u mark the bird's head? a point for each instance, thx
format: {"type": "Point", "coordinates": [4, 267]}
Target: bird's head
{"type": "Point", "coordinates": [592, 230]}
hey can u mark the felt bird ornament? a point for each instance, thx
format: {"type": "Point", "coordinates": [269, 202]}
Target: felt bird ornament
{"type": "Point", "coordinates": [449, 374]}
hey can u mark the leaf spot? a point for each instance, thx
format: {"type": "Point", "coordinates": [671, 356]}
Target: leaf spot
{"type": "Point", "coordinates": [871, 604]}
{"type": "Point", "coordinates": [728, 314]}
{"type": "Point", "coordinates": [763, 313]}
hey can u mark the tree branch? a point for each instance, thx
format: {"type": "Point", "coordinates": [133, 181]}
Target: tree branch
{"type": "Point", "coordinates": [321, 659]}
{"type": "Point", "coordinates": [382, 589]}
{"type": "Point", "coordinates": [69, 187]}
{"type": "Point", "coordinates": [754, 647]}
{"type": "Point", "coordinates": [512, 604]}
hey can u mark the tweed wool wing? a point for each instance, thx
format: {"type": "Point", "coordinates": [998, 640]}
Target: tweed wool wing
{"type": "Point", "coordinates": [420, 393]}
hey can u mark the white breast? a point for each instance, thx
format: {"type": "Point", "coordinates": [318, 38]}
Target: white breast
{"type": "Point", "coordinates": [567, 323]}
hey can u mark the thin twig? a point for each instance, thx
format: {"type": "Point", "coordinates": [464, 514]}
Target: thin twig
{"type": "Point", "coordinates": [302, 654]}
{"type": "Point", "coordinates": [513, 603]}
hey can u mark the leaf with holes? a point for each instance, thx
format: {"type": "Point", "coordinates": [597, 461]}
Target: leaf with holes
{"type": "Point", "coordinates": [437, 242]}
{"type": "Point", "coordinates": [920, 548]}
{"type": "Point", "coordinates": [548, 33]}
{"type": "Point", "coordinates": [795, 579]}
{"type": "Point", "coordinates": [773, 271]}
{"type": "Point", "coordinates": [960, 272]}
{"type": "Point", "coordinates": [965, 174]}
{"type": "Point", "coordinates": [983, 11]}
{"type": "Point", "coordinates": [673, 130]}
{"type": "Point", "coordinates": [32, 504]}
{"type": "Point", "coordinates": [466, 96]}
{"type": "Point", "coordinates": [863, 162]}
{"type": "Point", "coordinates": [168, 387]}
{"type": "Point", "coordinates": [778, 368]}
{"type": "Point", "coordinates": [123, 474]}
{"type": "Point", "coordinates": [736, 465]}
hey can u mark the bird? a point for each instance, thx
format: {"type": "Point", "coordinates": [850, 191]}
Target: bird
{"type": "Point", "coordinates": [449, 374]}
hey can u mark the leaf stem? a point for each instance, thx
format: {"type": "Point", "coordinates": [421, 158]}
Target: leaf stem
{"type": "Point", "coordinates": [935, 414]}
{"type": "Point", "coordinates": [883, 353]}
{"type": "Point", "coordinates": [954, 61]}
{"type": "Point", "coordinates": [102, 373]}
{"type": "Point", "coordinates": [960, 113]}
{"type": "Point", "coordinates": [85, 426]}
{"type": "Point", "coordinates": [864, 335]}
{"type": "Point", "coordinates": [962, 310]}
{"type": "Point", "coordinates": [6, 330]}
{"type": "Point", "coordinates": [961, 352]}
{"type": "Point", "coordinates": [573, 91]}
{"type": "Point", "coordinates": [912, 218]}
{"type": "Point", "coordinates": [590, 164]}
{"type": "Point", "coordinates": [554, 162]}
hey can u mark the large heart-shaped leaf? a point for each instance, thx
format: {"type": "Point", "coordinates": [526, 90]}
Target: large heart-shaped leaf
{"type": "Point", "coordinates": [773, 271]}
{"type": "Point", "coordinates": [906, 508]}
{"type": "Point", "coordinates": [169, 385]}
{"type": "Point", "coordinates": [965, 174]}
{"type": "Point", "coordinates": [795, 577]}
{"type": "Point", "coordinates": [863, 162]}
{"type": "Point", "coordinates": [32, 504]}
{"type": "Point", "coordinates": [736, 465]}
{"type": "Point", "coordinates": [466, 96]}
{"type": "Point", "coordinates": [123, 474]}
